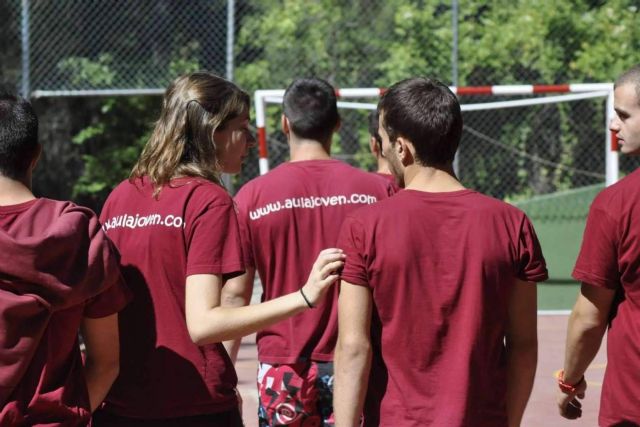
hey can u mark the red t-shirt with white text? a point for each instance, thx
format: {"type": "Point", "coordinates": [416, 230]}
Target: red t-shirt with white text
{"type": "Point", "coordinates": [56, 268]}
{"type": "Point", "coordinates": [610, 258]}
{"type": "Point", "coordinates": [190, 229]}
{"type": "Point", "coordinates": [287, 217]}
{"type": "Point", "coordinates": [440, 267]}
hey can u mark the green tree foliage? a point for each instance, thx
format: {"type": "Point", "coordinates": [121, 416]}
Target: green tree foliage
{"type": "Point", "coordinates": [548, 42]}
{"type": "Point", "coordinates": [112, 143]}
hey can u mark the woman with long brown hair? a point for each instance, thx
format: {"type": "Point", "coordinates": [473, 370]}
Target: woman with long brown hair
{"type": "Point", "coordinates": [175, 228]}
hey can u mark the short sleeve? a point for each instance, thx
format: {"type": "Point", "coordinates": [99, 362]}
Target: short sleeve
{"type": "Point", "coordinates": [111, 301]}
{"type": "Point", "coordinates": [531, 264]}
{"type": "Point", "coordinates": [597, 262]}
{"type": "Point", "coordinates": [352, 241]}
{"type": "Point", "coordinates": [243, 224]}
{"type": "Point", "coordinates": [214, 246]}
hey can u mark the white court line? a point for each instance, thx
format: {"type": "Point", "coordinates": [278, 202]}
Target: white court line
{"type": "Point", "coordinates": [554, 312]}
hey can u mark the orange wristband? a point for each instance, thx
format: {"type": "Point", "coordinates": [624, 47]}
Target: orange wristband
{"type": "Point", "coordinates": [565, 387]}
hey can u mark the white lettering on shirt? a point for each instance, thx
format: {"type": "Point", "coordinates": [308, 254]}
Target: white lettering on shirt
{"type": "Point", "coordinates": [311, 203]}
{"type": "Point", "coordinates": [137, 221]}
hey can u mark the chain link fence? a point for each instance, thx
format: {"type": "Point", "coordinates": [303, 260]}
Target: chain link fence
{"type": "Point", "coordinates": [10, 47]}
{"type": "Point", "coordinates": [78, 45]}
{"type": "Point", "coordinates": [547, 159]}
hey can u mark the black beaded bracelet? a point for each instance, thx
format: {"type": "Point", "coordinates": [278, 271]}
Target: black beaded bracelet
{"type": "Point", "coordinates": [306, 300]}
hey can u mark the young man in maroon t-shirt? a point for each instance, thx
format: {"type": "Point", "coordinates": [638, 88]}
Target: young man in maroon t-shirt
{"type": "Point", "coordinates": [609, 268]}
{"type": "Point", "coordinates": [58, 274]}
{"type": "Point", "coordinates": [437, 307]}
{"type": "Point", "coordinates": [286, 217]}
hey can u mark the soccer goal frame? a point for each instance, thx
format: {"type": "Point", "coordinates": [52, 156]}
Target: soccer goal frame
{"type": "Point", "coordinates": [570, 92]}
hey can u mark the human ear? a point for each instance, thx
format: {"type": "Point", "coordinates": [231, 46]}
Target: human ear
{"type": "Point", "coordinates": [403, 150]}
{"type": "Point", "coordinates": [284, 123]}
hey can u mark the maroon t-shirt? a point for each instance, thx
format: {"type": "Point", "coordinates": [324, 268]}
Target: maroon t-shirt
{"type": "Point", "coordinates": [190, 229]}
{"type": "Point", "coordinates": [440, 267]}
{"type": "Point", "coordinates": [56, 267]}
{"type": "Point", "coordinates": [610, 258]}
{"type": "Point", "coordinates": [391, 179]}
{"type": "Point", "coordinates": [287, 217]}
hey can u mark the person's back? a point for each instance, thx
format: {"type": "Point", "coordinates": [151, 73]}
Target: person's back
{"type": "Point", "coordinates": [58, 273]}
{"type": "Point", "coordinates": [43, 381]}
{"type": "Point", "coordinates": [184, 231]}
{"type": "Point", "coordinates": [286, 217]}
{"type": "Point", "coordinates": [291, 213]}
{"type": "Point", "coordinates": [176, 229]}
{"type": "Point", "coordinates": [173, 223]}
{"type": "Point", "coordinates": [437, 319]}
{"type": "Point", "coordinates": [440, 284]}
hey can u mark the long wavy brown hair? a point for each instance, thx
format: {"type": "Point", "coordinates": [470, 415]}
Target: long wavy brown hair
{"type": "Point", "coordinates": [194, 106]}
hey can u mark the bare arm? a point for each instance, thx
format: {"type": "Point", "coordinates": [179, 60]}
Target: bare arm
{"type": "Point", "coordinates": [522, 349]}
{"type": "Point", "coordinates": [208, 322]}
{"type": "Point", "coordinates": [103, 356]}
{"type": "Point", "coordinates": [587, 325]}
{"type": "Point", "coordinates": [353, 354]}
{"type": "Point", "coordinates": [237, 293]}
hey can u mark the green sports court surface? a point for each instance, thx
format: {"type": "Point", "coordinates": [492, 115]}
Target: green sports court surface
{"type": "Point", "coordinates": [559, 220]}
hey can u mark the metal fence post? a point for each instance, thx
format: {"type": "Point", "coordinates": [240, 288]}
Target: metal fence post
{"type": "Point", "coordinates": [26, 82]}
{"type": "Point", "coordinates": [454, 67]}
{"type": "Point", "coordinates": [231, 6]}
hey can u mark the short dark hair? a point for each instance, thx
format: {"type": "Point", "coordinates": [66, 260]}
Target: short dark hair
{"type": "Point", "coordinates": [427, 113]}
{"type": "Point", "coordinates": [18, 135]}
{"type": "Point", "coordinates": [311, 107]}
{"type": "Point", "coordinates": [631, 77]}
{"type": "Point", "coordinates": [374, 118]}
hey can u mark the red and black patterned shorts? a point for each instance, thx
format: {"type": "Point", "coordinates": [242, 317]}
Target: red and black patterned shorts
{"type": "Point", "coordinates": [298, 395]}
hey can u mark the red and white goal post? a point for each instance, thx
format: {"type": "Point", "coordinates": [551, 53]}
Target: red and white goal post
{"type": "Point", "coordinates": [574, 91]}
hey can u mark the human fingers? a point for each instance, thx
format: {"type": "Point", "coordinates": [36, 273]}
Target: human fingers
{"type": "Point", "coordinates": [328, 281]}
{"type": "Point", "coordinates": [317, 287]}
{"type": "Point", "coordinates": [329, 251]}
{"type": "Point", "coordinates": [330, 255]}
{"type": "Point", "coordinates": [331, 268]}
{"type": "Point", "coordinates": [574, 409]}
{"type": "Point", "coordinates": [570, 408]}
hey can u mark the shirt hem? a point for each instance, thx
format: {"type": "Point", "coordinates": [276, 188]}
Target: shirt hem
{"type": "Point", "coordinates": [290, 360]}
{"type": "Point", "coordinates": [541, 277]}
{"type": "Point", "coordinates": [174, 412]}
{"type": "Point", "coordinates": [215, 269]}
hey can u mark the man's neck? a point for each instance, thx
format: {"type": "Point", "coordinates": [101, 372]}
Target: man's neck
{"type": "Point", "coordinates": [431, 179]}
{"type": "Point", "coordinates": [13, 192]}
{"type": "Point", "coordinates": [303, 149]}
{"type": "Point", "coordinates": [383, 167]}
